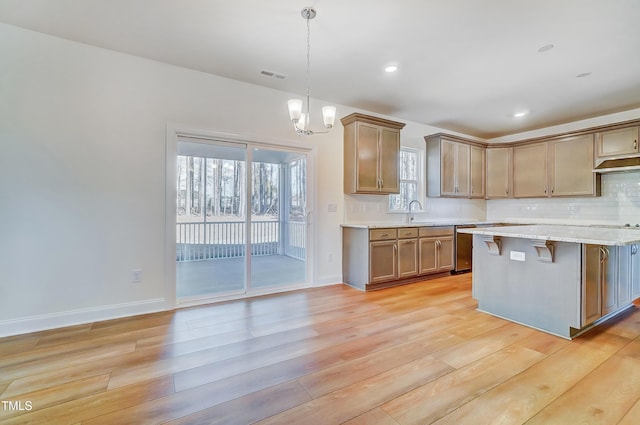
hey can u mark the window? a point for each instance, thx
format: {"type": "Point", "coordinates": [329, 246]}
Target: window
{"type": "Point", "coordinates": [410, 172]}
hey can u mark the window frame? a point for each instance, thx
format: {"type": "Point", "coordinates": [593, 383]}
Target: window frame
{"type": "Point", "coordinates": [420, 172]}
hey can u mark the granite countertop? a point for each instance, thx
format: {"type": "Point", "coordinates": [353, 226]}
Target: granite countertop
{"type": "Point", "coordinates": [416, 224]}
{"type": "Point", "coordinates": [576, 234]}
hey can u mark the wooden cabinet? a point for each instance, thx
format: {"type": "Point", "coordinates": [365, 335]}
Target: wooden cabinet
{"type": "Point", "coordinates": [436, 249]}
{"type": "Point", "coordinates": [530, 170]}
{"type": "Point", "coordinates": [381, 257]}
{"type": "Point", "coordinates": [407, 252]}
{"type": "Point", "coordinates": [571, 167]}
{"type": "Point", "coordinates": [618, 142]}
{"type": "Point", "coordinates": [371, 152]}
{"type": "Point", "coordinates": [635, 271]}
{"type": "Point", "coordinates": [477, 172]}
{"type": "Point", "coordinates": [499, 171]}
{"type": "Point", "coordinates": [557, 167]}
{"type": "Point", "coordinates": [455, 167]}
{"type": "Point", "coordinates": [629, 273]}
{"type": "Point", "coordinates": [609, 281]}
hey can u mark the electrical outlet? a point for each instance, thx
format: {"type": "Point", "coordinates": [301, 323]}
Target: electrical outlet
{"type": "Point", "coordinates": [136, 276]}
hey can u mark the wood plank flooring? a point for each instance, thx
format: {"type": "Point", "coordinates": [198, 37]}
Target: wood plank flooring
{"type": "Point", "coordinates": [415, 354]}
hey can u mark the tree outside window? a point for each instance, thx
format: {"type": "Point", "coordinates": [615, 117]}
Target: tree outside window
{"type": "Point", "coordinates": [409, 170]}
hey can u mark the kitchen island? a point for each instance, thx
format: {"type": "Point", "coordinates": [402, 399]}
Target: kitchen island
{"type": "Point", "coordinates": [559, 279]}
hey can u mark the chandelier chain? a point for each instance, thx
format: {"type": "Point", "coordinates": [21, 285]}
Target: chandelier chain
{"type": "Point", "coordinates": [308, 66]}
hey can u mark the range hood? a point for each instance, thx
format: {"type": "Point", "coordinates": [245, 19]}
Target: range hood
{"type": "Point", "coordinates": [618, 165]}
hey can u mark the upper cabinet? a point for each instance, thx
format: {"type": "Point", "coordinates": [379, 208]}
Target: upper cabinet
{"type": "Point", "coordinates": [455, 167]}
{"type": "Point", "coordinates": [622, 141]}
{"type": "Point", "coordinates": [558, 167]}
{"type": "Point", "coordinates": [571, 167]}
{"type": "Point", "coordinates": [530, 170]}
{"type": "Point", "coordinates": [499, 172]}
{"type": "Point", "coordinates": [371, 152]}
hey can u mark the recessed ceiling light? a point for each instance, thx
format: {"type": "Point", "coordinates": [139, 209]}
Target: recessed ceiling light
{"type": "Point", "coordinates": [520, 114]}
{"type": "Point", "coordinates": [545, 48]}
{"type": "Point", "coordinates": [391, 68]}
{"type": "Point", "coordinates": [582, 75]}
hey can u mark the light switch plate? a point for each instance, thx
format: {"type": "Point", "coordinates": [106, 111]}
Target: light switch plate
{"type": "Point", "coordinates": [517, 255]}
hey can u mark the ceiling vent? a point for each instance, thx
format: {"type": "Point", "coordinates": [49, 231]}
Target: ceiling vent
{"type": "Point", "coordinates": [273, 74]}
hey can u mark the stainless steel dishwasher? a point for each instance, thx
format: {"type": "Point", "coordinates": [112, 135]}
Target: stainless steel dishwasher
{"type": "Point", "coordinates": [464, 248]}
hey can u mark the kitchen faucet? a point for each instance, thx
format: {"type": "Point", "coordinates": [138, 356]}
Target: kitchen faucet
{"type": "Point", "coordinates": [410, 216]}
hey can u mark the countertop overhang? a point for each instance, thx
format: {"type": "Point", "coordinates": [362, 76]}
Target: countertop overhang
{"type": "Point", "coordinates": [575, 234]}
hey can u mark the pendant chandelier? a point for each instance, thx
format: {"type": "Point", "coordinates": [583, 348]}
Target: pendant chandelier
{"type": "Point", "coordinates": [299, 119]}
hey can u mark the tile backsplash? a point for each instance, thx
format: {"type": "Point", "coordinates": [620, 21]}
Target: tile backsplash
{"type": "Point", "coordinates": [619, 204]}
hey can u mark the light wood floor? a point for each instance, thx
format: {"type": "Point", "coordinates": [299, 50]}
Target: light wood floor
{"type": "Point", "coordinates": [416, 354]}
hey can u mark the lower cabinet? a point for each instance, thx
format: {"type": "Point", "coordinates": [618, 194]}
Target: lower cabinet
{"type": "Point", "coordinates": [436, 250]}
{"type": "Point", "coordinates": [385, 256]}
{"type": "Point", "coordinates": [611, 280]}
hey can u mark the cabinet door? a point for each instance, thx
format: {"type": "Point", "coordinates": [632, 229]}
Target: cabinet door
{"type": "Point", "coordinates": [448, 168]}
{"type": "Point", "coordinates": [625, 258]}
{"type": "Point", "coordinates": [635, 272]}
{"type": "Point", "coordinates": [407, 257]}
{"type": "Point", "coordinates": [609, 282]}
{"type": "Point", "coordinates": [591, 293]}
{"type": "Point", "coordinates": [445, 253]}
{"type": "Point", "coordinates": [498, 172]}
{"type": "Point", "coordinates": [477, 164]}
{"type": "Point", "coordinates": [367, 158]}
{"type": "Point", "coordinates": [382, 261]}
{"type": "Point", "coordinates": [618, 142]}
{"type": "Point", "coordinates": [428, 252]}
{"type": "Point", "coordinates": [463, 170]}
{"type": "Point", "coordinates": [530, 170]}
{"type": "Point", "coordinates": [571, 166]}
{"type": "Point", "coordinates": [389, 153]}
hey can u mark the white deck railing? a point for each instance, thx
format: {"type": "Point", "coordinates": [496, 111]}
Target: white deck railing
{"type": "Point", "coordinates": [227, 239]}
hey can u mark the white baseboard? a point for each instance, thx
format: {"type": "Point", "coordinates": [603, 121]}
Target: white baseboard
{"type": "Point", "coordinates": [328, 280]}
{"type": "Point", "coordinates": [77, 317]}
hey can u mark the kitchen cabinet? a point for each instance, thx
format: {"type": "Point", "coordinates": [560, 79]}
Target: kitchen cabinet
{"type": "Point", "coordinates": [618, 142]}
{"type": "Point", "coordinates": [407, 252]}
{"type": "Point", "coordinates": [555, 168]}
{"type": "Point", "coordinates": [436, 249]}
{"type": "Point", "coordinates": [371, 154]}
{"type": "Point", "coordinates": [455, 167]}
{"type": "Point", "coordinates": [530, 170]}
{"type": "Point", "coordinates": [629, 273]}
{"type": "Point", "coordinates": [571, 167]}
{"type": "Point", "coordinates": [499, 170]}
{"type": "Point", "coordinates": [477, 172]}
{"type": "Point", "coordinates": [606, 284]}
{"type": "Point", "coordinates": [381, 257]}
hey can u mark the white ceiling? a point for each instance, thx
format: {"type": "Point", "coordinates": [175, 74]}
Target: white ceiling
{"type": "Point", "coordinates": [464, 65]}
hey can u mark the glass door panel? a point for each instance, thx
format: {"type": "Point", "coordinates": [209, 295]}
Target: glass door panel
{"type": "Point", "coordinates": [278, 219]}
{"type": "Point", "coordinates": [211, 222]}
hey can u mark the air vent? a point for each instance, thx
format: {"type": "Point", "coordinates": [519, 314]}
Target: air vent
{"type": "Point", "coordinates": [273, 74]}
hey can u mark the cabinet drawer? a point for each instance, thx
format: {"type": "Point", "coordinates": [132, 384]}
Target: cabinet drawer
{"type": "Point", "coordinates": [408, 232]}
{"type": "Point", "coordinates": [382, 234]}
{"type": "Point", "coordinates": [436, 231]}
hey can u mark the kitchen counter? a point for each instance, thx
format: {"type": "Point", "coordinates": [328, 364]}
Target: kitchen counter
{"type": "Point", "coordinates": [575, 234]}
{"type": "Point", "coordinates": [417, 224]}
{"type": "Point", "coordinates": [559, 279]}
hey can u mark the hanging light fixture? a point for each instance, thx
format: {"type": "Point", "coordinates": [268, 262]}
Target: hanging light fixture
{"type": "Point", "coordinates": [299, 119]}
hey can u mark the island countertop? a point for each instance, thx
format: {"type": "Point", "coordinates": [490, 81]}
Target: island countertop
{"type": "Point", "coordinates": [576, 234]}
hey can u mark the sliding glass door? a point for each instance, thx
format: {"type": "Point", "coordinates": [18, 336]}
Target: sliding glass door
{"type": "Point", "coordinates": [241, 219]}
